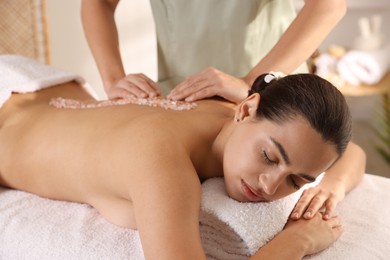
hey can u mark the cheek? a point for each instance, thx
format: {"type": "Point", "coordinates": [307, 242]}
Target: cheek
{"type": "Point", "coordinates": [238, 156]}
{"type": "Point", "coordinates": [232, 161]}
{"type": "Point", "coordinates": [284, 190]}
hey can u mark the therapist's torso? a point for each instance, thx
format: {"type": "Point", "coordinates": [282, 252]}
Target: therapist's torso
{"type": "Point", "coordinates": [230, 35]}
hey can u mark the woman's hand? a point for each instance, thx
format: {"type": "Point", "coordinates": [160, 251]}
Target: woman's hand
{"type": "Point", "coordinates": [338, 180]}
{"type": "Point", "coordinates": [133, 85]}
{"type": "Point", "coordinates": [317, 233]}
{"type": "Point", "coordinates": [301, 237]}
{"type": "Point", "coordinates": [208, 83]}
{"type": "Point", "coordinates": [324, 197]}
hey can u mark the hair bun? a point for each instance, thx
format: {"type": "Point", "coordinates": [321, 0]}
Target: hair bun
{"type": "Point", "coordinates": [273, 75]}
{"type": "Point", "coordinates": [263, 80]}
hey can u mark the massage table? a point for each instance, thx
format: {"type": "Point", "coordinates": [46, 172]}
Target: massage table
{"type": "Point", "coordinates": [33, 227]}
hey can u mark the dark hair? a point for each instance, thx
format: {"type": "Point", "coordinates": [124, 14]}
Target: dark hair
{"type": "Point", "coordinates": [310, 96]}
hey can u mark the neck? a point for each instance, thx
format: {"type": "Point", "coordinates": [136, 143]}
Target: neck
{"type": "Point", "coordinates": [215, 166]}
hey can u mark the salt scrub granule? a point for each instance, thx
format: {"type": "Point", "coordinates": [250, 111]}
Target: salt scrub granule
{"type": "Point", "coordinates": [153, 102]}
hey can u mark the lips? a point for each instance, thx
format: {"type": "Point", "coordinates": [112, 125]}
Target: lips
{"type": "Point", "coordinates": [250, 193]}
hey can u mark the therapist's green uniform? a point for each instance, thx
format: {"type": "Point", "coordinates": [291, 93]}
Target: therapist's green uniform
{"type": "Point", "coordinates": [230, 35]}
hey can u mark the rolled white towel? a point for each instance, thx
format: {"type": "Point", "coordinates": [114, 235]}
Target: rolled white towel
{"type": "Point", "coordinates": [234, 230]}
{"type": "Point", "coordinates": [20, 74]}
{"type": "Point", "coordinates": [325, 65]}
{"type": "Point", "coordinates": [344, 71]}
{"type": "Point", "coordinates": [367, 67]}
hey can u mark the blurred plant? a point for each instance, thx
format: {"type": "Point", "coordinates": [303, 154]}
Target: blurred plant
{"type": "Point", "coordinates": [383, 131]}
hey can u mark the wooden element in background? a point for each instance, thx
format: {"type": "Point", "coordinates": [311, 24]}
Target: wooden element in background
{"type": "Point", "coordinates": [23, 29]}
{"type": "Point", "coordinates": [383, 87]}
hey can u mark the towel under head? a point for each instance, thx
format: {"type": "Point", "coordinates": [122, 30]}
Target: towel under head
{"type": "Point", "coordinates": [239, 229]}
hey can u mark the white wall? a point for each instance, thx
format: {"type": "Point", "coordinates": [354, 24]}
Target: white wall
{"type": "Point", "coordinates": [346, 31]}
{"type": "Point", "coordinates": [69, 49]}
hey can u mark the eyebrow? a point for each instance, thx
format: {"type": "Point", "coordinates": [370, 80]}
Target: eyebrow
{"type": "Point", "coordinates": [282, 151]}
{"type": "Point", "coordinates": [286, 159]}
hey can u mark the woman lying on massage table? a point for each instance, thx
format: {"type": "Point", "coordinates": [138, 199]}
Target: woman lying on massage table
{"type": "Point", "coordinates": [141, 167]}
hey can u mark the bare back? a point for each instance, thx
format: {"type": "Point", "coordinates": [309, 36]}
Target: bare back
{"type": "Point", "coordinates": [101, 156]}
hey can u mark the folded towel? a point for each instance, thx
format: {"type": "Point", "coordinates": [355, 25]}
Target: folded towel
{"type": "Point", "coordinates": [325, 65]}
{"type": "Point", "coordinates": [235, 230]}
{"type": "Point", "coordinates": [345, 73]}
{"type": "Point", "coordinates": [20, 74]}
{"type": "Point", "coordinates": [364, 67]}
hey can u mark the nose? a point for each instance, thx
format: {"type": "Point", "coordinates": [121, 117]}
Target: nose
{"type": "Point", "coordinates": [269, 182]}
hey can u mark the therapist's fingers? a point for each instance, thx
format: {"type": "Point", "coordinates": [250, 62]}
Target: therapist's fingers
{"type": "Point", "coordinates": [137, 85]}
{"type": "Point", "coordinates": [115, 92]}
{"type": "Point", "coordinates": [150, 82]}
{"type": "Point", "coordinates": [140, 85]}
{"type": "Point", "coordinates": [186, 88]}
{"type": "Point", "coordinates": [208, 83]}
{"type": "Point", "coordinates": [193, 90]}
{"type": "Point", "coordinates": [202, 85]}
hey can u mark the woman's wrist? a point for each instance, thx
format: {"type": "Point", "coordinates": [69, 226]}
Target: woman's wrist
{"type": "Point", "coordinates": [299, 244]}
{"type": "Point", "coordinates": [286, 245]}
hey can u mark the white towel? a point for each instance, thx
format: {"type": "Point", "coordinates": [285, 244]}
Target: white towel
{"type": "Point", "coordinates": [20, 74]}
{"type": "Point", "coordinates": [36, 228]}
{"type": "Point", "coordinates": [235, 230]}
{"type": "Point", "coordinates": [364, 67]}
{"type": "Point", "coordinates": [49, 229]}
{"type": "Point", "coordinates": [325, 65]}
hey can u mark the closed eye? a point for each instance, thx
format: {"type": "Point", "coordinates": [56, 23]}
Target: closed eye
{"type": "Point", "coordinates": [294, 183]}
{"type": "Point", "coordinates": [267, 159]}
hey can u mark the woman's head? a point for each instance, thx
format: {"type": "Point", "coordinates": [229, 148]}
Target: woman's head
{"type": "Point", "coordinates": [285, 134]}
{"type": "Point", "coordinates": [311, 97]}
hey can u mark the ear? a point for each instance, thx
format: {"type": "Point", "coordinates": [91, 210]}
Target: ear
{"type": "Point", "coordinates": [247, 108]}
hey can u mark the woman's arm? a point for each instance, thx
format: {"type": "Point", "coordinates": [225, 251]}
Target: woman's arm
{"type": "Point", "coordinates": [300, 238]}
{"type": "Point", "coordinates": [313, 23]}
{"type": "Point", "coordinates": [342, 177]}
{"type": "Point", "coordinates": [102, 36]}
{"type": "Point", "coordinates": [165, 191]}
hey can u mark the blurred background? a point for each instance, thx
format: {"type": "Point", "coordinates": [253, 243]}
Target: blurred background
{"type": "Point", "coordinates": [67, 48]}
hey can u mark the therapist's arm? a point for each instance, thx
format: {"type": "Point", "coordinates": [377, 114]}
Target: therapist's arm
{"type": "Point", "coordinates": [311, 26]}
{"type": "Point", "coordinates": [102, 36]}
{"type": "Point", "coordinates": [313, 23]}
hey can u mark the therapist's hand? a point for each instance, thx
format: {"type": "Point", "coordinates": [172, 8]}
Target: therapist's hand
{"type": "Point", "coordinates": [133, 85]}
{"type": "Point", "coordinates": [208, 83]}
{"type": "Point", "coordinates": [324, 197]}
